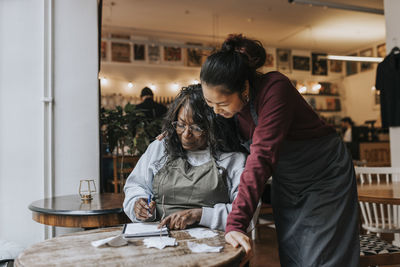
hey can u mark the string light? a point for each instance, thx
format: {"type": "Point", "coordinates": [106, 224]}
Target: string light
{"type": "Point", "coordinates": [303, 90]}
{"type": "Point", "coordinates": [315, 88]}
{"type": "Point", "coordinates": [104, 81]}
{"type": "Point", "coordinates": [153, 87]}
{"type": "Point", "coordinates": [175, 86]}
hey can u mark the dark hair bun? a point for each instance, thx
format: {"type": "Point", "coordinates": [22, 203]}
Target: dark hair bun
{"type": "Point", "coordinates": [252, 49]}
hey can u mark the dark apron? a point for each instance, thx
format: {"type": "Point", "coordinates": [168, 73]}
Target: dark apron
{"type": "Point", "coordinates": [314, 199]}
{"type": "Point", "coordinates": [189, 187]}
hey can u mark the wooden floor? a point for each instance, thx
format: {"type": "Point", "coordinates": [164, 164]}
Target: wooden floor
{"type": "Point", "coordinates": [266, 249]}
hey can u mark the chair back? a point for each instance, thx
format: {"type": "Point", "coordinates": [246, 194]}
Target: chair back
{"type": "Point", "coordinates": [377, 175]}
{"type": "Point", "coordinates": [379, 216]}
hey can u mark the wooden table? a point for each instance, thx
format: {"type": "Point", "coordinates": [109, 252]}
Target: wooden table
{"type": "Point", "coordinates": [75, 250]}
{"type": "Point", "coordinates": [105, 209]}
{"type": "Point", "coordinates": [380, 193]}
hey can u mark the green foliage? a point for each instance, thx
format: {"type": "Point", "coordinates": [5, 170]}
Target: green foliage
{"type": "Point", "coordinates": [128, 127]}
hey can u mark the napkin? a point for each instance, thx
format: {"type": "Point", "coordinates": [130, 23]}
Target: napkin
{"type": "Point", "coordinates": [114, 241]}
{"type": "Point", "coordinates": [200, 232]}
{"type": "Point", "coordinates": [201, 248]}
{"type": "Point", "coordinates": [160, 242]}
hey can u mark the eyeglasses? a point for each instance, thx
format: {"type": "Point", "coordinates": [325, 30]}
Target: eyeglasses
{"type": "Point", "coordinates": [181, 127]}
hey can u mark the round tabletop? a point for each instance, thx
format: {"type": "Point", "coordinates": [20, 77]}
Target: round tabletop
{"type": "Point", "coordinates": [380, 193]}
{"type": "Point", "coordinates": [76, 250]}
{"type": "Point", "coordinates": [103, 203]}
{"type": "Point", "coordinates": [105, 209]}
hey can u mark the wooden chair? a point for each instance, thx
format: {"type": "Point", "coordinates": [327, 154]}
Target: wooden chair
{"type": "Point", "coordinates": [379, 216]}
{"type": "Point", "coordinates": [377, 174]}
{"type": "Point", "coordinates": [121, 173]}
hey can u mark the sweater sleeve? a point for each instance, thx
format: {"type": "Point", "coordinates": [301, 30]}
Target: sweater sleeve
{"type": "Point", "coordinates": [275, 115]}
{"type": "Point", "coordinates": [216, 217]}
{"type": "Point", "coordinates": [140, 182]}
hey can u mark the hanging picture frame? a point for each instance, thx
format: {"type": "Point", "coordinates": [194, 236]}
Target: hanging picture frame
{"type": "Point", "coordinates": [381, 50]}
{"type": "Point", "coordinates": [103, 50]}
{"type": "Point", "coordinates": [319, 64]}
{"type": "Point", "coordinates": [172, 54]}
{"type": "Point", "coordinates": [139, 52]}
{"type": "Point", "coordinates": [153, 53]}
{"type": "Point", "coordinates": [364, 66]}
{"type": "Point", "coordinates": [301, 63]}
{"type": "Point", "coordinates": [120, 52]}
{"type": "Point", "coordinates": [283, 57]}
{"type": "Point", "coordinates": [269, 60]}
{"type": "Point", "coordinates": [336, 66]}
{"type": "Point", "coordinates": [194, 55]}
{"type": "Point", "coordinates": [351, 66]}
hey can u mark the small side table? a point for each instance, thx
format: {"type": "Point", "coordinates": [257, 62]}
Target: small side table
{"type": "Point", "coordinates": [105, 209]}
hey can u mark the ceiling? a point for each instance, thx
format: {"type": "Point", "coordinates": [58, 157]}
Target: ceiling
{"type": "Point", "coordinates": [276, 23]}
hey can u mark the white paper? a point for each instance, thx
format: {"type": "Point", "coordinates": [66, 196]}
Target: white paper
{"type": "Point", "coordinates": [200, 232]}
{"type": "Point", "coordinates": [202, 248]}
{"type": "Point", "coordinates": [144, 229]}
{"type": "Point", "coordinates": [160, 242]}
{"type": "Point", "coordinates": [114, 241]}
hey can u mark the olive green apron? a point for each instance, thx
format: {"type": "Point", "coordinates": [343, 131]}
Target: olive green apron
{"type": "Point", "coordinates": [188, 187]}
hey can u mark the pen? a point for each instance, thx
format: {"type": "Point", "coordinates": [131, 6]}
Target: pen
{"type": "Point", "coordinates": [148, 204]}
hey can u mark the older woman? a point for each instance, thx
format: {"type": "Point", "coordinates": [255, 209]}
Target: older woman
{"type": "Point", "coordinates": [187, 175]}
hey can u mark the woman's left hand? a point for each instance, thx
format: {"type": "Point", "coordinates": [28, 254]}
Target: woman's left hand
{"type": "Point", "coordinates": [179, 220]}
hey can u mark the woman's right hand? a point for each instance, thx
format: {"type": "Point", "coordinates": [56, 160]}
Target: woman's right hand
{"type": "Point", "coordinates": [142, 210]}
{"type": "Point", "coordinates": [237, 238]}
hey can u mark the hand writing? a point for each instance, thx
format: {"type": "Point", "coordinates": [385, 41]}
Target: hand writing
{"type": "Point", "coordinates": [142, 209]}
{"type": "Point", "coordinates": [179, 220]}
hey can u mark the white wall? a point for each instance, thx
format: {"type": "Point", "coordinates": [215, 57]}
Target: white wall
{"type": "Point", "coordinates": [392, 9]}
{"type": "Point", "coordinates": [359, 98]}
{"type": "Point", "coordinates": [21, 130]}
{"type": "Point", "coordinates": [23, 33]}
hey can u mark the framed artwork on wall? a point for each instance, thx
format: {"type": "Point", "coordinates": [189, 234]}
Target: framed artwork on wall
{"type": "Point", "coordinates": [283, 57]}
{"type": "Point", "coordinates": [381, 50]}
{"type": "Point", "coordinates": [103, 52]}
{"type": "Point", "coordinates": [269, 60]}
{"type": "Point", "coordinates": [121, 52]}
{"type": "Point", "coordinates": [139, 52]}
{"type": "Point", "coordinates": [193, 55]}
{"type": "Point", "coordinates": [172, 54]}
{"type": "Point", "coordinates": [153, 53]}
{"type": "Point", "coordinates": [351, 66]}
{"type": "Point", "coordinates": [366, 65]}
{"type": "Point", "coordinates": [319, 65]}
{"type": "Point", "coordinates": [301, 63]}
{"type": "Point", "coordinates": [336, 66]}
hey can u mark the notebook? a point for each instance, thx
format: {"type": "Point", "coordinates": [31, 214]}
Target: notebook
{"type": "Point", "coordinates": [143, 230]}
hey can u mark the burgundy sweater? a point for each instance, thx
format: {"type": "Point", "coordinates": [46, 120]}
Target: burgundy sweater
{"type": "Point", "coordinates": [283, 114]}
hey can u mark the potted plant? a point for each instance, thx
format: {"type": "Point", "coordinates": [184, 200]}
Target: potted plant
{"type": "Point", "coordinates": [127, 132]}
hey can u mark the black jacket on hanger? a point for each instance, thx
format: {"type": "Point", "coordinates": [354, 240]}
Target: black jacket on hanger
{"type": "Point", "coordinates": [388, 82]}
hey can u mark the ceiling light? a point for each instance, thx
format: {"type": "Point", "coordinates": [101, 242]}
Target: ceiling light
{"type": "Point", "coordinates": [130, 85]}
{"type": "Point", "coordinates": [175, 86]}
{"type": "Point", "coordinates": [351, 58]}
{"type": "Point", "coordinates": [153, 87]}
{"type": "Point", "coordinates": [338, 6]}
